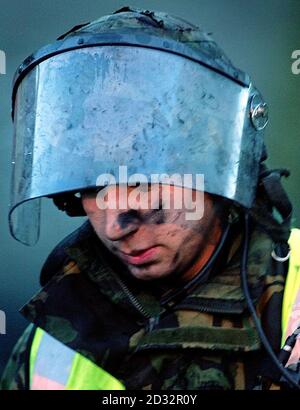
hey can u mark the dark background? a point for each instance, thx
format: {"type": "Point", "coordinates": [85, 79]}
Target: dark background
{"type": "Point", "coordinates": [258, 36]}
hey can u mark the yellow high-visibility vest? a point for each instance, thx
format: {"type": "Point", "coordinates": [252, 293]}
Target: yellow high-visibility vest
{"type": "Point", "coordinates": [291, 298]}
{"type": "Point", "coordinates": [54, 366]}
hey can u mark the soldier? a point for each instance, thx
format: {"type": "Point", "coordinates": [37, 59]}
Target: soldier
{"type": "Point", "coordinates": [149, 294]}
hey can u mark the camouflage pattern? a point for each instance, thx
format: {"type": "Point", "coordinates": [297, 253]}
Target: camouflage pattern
{"type": "Point", "coordinates": [138, 22]}
{"type": "Point", "coordinates": [16, 371]}
{"type": "Point", "coordinates": [205, 341]}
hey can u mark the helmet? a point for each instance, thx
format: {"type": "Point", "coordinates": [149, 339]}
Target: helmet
{"type": "Point", "coordinates": [139, 89]}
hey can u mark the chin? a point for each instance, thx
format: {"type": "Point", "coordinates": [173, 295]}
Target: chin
{"type": "Point", "coordinates": [149, 273]}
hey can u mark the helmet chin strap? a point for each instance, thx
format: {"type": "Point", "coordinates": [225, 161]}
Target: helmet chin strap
{"type": "Point", "coordinates": [287, 374]}
{"type": "Point", "coordinates": [174, 295]}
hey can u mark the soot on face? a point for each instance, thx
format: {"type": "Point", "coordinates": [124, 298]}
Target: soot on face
{"type": "Point", "coordinates": [153, 216]}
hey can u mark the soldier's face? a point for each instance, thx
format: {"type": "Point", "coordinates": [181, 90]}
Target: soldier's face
{"type": "Point", "coordinates": [154, 243]}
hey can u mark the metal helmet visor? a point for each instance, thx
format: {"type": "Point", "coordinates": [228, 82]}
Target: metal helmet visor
{"type": "Point", "coordinates": [86, 112]}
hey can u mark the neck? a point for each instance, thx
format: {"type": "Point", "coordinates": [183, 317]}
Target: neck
{"type": "Point", "coordinates": [204, 256]}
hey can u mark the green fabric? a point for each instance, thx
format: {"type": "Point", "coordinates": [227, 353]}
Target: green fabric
{"type": "Point", "coordinates": [14, 375]}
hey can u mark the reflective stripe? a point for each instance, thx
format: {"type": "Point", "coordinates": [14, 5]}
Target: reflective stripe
{"type": "Point", "coordinates": [54, 366]}
{"type": "Point", "coordinates": [101, 380]}
{"type": "Point", "coordinates": [292, 288]}
{"type": "Point", "coordinates": [33, 351]}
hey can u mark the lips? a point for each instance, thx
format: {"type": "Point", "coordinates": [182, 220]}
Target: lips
{"type": "Point", "coordinates": [139, 257]}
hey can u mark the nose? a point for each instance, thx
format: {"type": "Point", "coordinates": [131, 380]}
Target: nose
{"type": "Point", "coordinates": [120, 224]}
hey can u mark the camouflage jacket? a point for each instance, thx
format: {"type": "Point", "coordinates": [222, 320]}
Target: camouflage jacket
{"type": "Point", "coordinates": [207, 340]}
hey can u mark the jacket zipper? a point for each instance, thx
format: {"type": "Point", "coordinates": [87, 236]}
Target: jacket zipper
{"type": "Point", "coordinates": [133, 299]}
{"type": "Point", "coordinates": [210, 307]}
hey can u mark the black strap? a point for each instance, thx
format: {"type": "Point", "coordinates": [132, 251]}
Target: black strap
{"type": "Point", "coordinates": [271, 181]}
{"type": "Point", "coordinates": [272, 196]}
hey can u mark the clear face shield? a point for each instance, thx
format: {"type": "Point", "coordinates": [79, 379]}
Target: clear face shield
{"type": "Point", "coordinates": [86, 112]}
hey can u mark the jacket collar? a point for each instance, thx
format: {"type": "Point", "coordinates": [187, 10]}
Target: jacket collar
{"type": "Point", "coordinates": [87, 306]}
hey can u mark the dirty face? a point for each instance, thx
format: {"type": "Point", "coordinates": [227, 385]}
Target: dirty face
{"type": "Point", "coordinates": [152, 241]}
